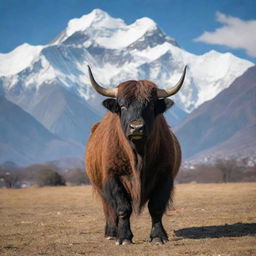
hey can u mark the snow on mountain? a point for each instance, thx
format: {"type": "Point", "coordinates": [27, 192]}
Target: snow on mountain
{"type": "Point", "coordinates": [223, 126]}
{"type": "Point", "coordinates": [224, 69]}
{"type": "Point", "coordinates": [96, 19]}
{"type": "Point", "coordinates": [106, 31]}
{"type": "Point", "coordinates": [116, 52]}
{"type": "Point", "coordinates": [18, 59]}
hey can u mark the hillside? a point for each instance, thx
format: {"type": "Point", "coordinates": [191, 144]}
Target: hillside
{"type": "Point", "coordinates": [224, 126]}
{"type": "Point", "coordinates": [24, 140]}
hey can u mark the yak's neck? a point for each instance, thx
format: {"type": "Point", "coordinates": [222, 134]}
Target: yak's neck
{"type": "Point", "coordinates": [139, 158]}
{"type": "Point", "coordinates": [139, 148]}
{"type": "Point", "coordinates": [140, 152]}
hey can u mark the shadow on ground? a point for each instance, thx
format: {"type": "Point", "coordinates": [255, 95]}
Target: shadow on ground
{"type": "Point", "coordinates": [234, 230]}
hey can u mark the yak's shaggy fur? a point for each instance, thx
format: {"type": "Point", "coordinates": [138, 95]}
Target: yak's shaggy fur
{"type": "Point", "coordinates": [113, 165]}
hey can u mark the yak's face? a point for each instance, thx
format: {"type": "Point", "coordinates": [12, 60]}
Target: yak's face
{"type": "Point", "coordinates": [137, 111]}
{"type": "Point", "coordinates": [137, 103]}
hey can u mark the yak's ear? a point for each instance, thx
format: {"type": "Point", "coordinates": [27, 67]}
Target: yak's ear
{"type": "Point", "coordinates": [111, 105]}
{"type": "Point", "coordinates": [168, 103]}
{"type": "Point", "coordinates": [163, 105]}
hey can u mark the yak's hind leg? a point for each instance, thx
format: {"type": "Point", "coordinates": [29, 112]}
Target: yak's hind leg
{"type": "Point", "coordinates": [157, 205]}
{"type": "Point", "coordinates": [117, 197]}
{"type": "Point", "coordinates": [111, 221]}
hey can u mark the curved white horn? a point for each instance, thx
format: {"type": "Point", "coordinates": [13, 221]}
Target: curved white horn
{"type": "Point", "coordinates": [161, 93]}
{"type": "Point", "coordinates": [111, 92]}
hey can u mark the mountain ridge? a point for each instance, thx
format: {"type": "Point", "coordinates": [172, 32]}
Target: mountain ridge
{"type": "Point", "coordinates": [53, 86]}
{"type": "Point", "coordinates": [208, 74]}
{"type": "Point", "coordinates": [24, 140]}
{"type": "Point", "coordinates": [225, 120]}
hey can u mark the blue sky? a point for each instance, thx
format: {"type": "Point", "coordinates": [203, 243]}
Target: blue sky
{"type": "Point", "coordinates": [197, 25]}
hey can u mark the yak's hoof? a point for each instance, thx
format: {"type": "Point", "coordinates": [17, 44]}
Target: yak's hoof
{"type": "Point", "coordinates": [110, 238]}
{"type": "Point", "coordinates": [159, 241]}
{"type": "Point", "coordinates": [123, 242]}
{"type": "Point", "coordinates": [126, 241]}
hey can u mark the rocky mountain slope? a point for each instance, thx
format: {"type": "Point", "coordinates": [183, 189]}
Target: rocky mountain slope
{"type": "Point", "coordinates": [24, 140]}
{"type": "Point", "coordinates": [50, 82]}
{"type": "Point", "coordinates": [224, 126]}
{"type": "Point", "coordinates": [116, 52]}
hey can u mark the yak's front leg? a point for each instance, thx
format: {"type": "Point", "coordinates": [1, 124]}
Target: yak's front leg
{"type": "Point", "coordinates": [111, 221]}
{"type": "Point", "coordinates": [117, 196]}
{"type": "Point", "coordinates": [157, 206]}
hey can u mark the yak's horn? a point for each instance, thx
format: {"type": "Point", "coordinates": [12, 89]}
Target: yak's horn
{"type": "Point", "coordinates": [111, 92]}
{"type": "Point", "coordinates": [161, 93]}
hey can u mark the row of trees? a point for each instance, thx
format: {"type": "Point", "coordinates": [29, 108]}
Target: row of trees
{"type": "Point", "coordinates": [41, 175]}
{"type": "Point", "coordinates": [221, 171]}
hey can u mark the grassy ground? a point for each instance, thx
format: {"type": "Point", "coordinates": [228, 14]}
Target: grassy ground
{"type": "Point", "coordinates": [207, 219]}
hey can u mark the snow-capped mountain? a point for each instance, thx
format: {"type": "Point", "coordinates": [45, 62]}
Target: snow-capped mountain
{"type": "Point", "coordinates": [51, 82]}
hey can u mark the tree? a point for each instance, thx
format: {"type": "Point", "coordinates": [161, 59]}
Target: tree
{"type": "Point", "coordinates": [76, 176]}
{"type": "Point", "coordinates": [49, 177]}
{"type": "Point", "coordinates": [10, 178]}
{"type": "Point", "coordinates": [227, 168]}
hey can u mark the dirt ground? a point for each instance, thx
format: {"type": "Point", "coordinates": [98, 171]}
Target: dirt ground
{"type": "Point", "coordinates": [206, 219]}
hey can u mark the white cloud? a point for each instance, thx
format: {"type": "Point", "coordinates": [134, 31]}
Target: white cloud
{"type": "Point", "coordinates": [235, 33]}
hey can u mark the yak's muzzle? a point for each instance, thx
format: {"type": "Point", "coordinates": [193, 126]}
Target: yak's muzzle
{"type": "Point", "coordinates": [136, 129]}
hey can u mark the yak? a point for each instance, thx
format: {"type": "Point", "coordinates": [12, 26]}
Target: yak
{"type": "Point", "coordinates": [132, 156]}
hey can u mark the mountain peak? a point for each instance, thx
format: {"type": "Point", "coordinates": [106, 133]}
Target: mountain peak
{"type": "Point", "coordinates": [138, 50]}
{"type": "Point", "coordinates": [105, 30]}
{"type": "Point", "coordinates": [145, 22]}
{"type": "Point", "coordinates": [51, 82]}
{"type": "Point", "coordinates": [22, 56]}
{"type": "Point", "coordinates": [96, 18]}
{"type": "Point", "coordinates": [98, 12]}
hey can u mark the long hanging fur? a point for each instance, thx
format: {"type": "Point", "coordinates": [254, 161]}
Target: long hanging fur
{"type": "Point", "coordinates": [109, 152]}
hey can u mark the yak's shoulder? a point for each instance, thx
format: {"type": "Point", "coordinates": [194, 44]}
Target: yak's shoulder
{"type": "Point", "coordinates": [94, 127]}
{"type": "Point", "coordinates": [106, 124]}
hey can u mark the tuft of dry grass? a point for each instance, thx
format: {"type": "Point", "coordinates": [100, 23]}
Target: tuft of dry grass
{"type": "Point", "coordinates": [206, 219]}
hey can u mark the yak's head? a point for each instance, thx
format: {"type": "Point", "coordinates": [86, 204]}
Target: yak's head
{"type": "Point", "coordinates": [137, 103]}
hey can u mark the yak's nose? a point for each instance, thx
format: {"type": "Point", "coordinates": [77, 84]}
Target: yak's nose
{"type": "Point", "coordinates": [136, 126]}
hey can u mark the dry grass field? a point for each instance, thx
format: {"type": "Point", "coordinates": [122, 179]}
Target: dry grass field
{"type": "Point", "coordinates": [207, 219]}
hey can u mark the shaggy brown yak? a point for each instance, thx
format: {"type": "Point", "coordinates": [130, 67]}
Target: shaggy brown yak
{"type": "Point", "coordinates": [132, 156]}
